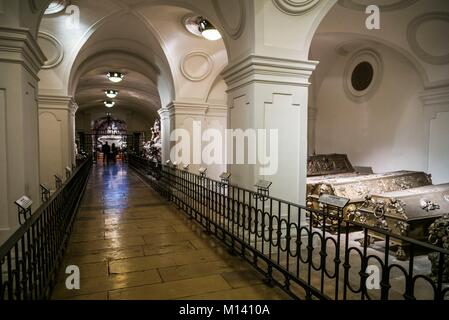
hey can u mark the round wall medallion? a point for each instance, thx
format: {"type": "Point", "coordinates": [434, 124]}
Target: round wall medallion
{"type": "Point", "coordinates": [196, 65]}
{"type": "Point", "coordinates": [362, 74]}
{"type": "Point", "coordinates": [387, 5]}
{"type": "Point", "coordinates": [427, 36]}
{"type": "Point", "coordinates": [233, 25]}
{"type": "Point", "coordinates": [52, 48]}
{"type": "Point", "coordinates": [295, 7]}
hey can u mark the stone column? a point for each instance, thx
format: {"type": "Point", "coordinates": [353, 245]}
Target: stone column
{"type": "Point", "coordinates": [56, 137]}
{"type": "Point", "coordinates": [73, 107]}
{"type": "Point", "coordinates": [20, 60]}
{"type": "Point", "coordinates": [436, 120]}
{"type": "Point", "coordinates": [196, 118]}
{"type": "Point", "coordinates": [272, 93]}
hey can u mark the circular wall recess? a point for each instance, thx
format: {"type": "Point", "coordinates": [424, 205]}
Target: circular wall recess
{"type": "Point", "coordinates": [295, 7]}
{"type": "Point", "coordinates": [362, 75]}
{"type": "Point", "coordinates": [427, 36]}
{"type": "Point", "coordinates": [52, 48]}
{"type": "Point", "coordinates": [233, 25]}
{"type": "Point", "coordinates": [196, 65]}
{"type": "Point", "coordinates": [386, 5]}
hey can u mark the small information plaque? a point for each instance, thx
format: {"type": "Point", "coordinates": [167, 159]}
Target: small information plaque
{"type": "Point", "coordinates": [263, 184]}
{"type": "Point", "coordinates": [24, 202]}
{"type": "Point", "coordinates": [334, 201]}
{"type": "Point", "coordinates": [225, 176]}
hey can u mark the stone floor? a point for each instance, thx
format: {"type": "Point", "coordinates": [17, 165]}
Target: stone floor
{"type": "Point", "coordinates": [130, 244]}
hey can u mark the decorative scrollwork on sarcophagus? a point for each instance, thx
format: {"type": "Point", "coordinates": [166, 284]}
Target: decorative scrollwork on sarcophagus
{"type": "Point", "coordinates": [408, 212]}
{"type": "Point", "coordinates": [356, 186]}
{"type": "Point", "coordinates": [439, 236]}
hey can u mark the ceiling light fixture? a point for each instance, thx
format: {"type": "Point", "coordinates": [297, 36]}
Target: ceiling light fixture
{"type": "Point", "coordinates": [111, 93]}
{"type": "Point", "coordinates": [109, 104]}
{"type": "Point", "coordinates": [208, 31]}
{"type": "Point", "coordinates": [115, 76]}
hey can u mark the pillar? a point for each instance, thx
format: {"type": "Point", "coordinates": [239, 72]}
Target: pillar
{"type": "Point", "coordinates": [272, 93]}
{"type": "Point", "coordinates": [196, 119]}
{"type": "Point", "coordinates": [56, 136]}
{"type": "Point", "coordinates": [20, 60]}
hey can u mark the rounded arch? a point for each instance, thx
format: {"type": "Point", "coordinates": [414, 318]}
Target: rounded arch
{"type": "Point", "coordinates": [346, 39]}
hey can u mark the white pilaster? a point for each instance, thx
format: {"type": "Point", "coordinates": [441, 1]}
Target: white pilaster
{"type": "Point", "coordinates": [56, 136]}
{"type": "Point", "coordinates": [272, 93]}
{"type": "Point", "coordinates": [436, 121]}
{"type": "Point", "coordinates": [20, 61]}
{"type": "Point", "coordinates": [183, 115]}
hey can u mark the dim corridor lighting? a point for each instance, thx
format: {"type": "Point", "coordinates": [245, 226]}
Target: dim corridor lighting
{"type": "Point", "coordinates": [109, 104]}
{"type": "Point", "coordinates": [208, 31]}
{"type": "Point", "coordinates": [111, 93]}
{"type": "Point", "coordinates": [115, 76]}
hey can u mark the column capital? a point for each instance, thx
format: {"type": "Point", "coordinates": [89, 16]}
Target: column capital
{"type": "Point", "coordinates": [19, 46]}
{"type": "Point", "coordinates": [270, 70]}
{"type": "Point", "coordinates": [435, 100]}
{"type": "Point", "coordinates": [202, 109]}
{"type": "Point", "coordinates": [73, 107]}
{"type": "Point", "coordinates": [55, 102]}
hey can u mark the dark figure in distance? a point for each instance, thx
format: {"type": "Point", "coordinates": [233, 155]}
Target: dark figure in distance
{"type": "Point", "coordinates": [113, 152]}
{"type": "Point", "coordinates": [106, 150]}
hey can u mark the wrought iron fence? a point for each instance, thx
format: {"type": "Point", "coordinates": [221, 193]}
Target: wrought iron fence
{"type": "Point", "coordinates": [307, 262]}
{"type": "Point", "coordinates": [30, 258]}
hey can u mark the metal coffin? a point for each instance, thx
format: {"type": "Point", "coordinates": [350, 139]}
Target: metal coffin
{"type": "Point", "coordinates": [328, 164]}
{"type": "Point", "coordinates": [357, 187]}
{"type": "Point", "coordinates": [407, 212]}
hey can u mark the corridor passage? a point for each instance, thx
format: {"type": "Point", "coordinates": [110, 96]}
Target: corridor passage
{"type": "Point", "coordinates": [129, 243]}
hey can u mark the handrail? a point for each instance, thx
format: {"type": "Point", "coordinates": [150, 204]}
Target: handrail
{"type": "Point", "coordinates": [30, 257]}
{"type": "Point", "coordinates": [296, 254]}
{"type": "Point", "coordinates": [10, 242]}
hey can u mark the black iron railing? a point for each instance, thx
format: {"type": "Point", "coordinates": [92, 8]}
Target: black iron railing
{"type": "Point", "coordinates": [30, 258]}
{"type": "Point", "coordinates": [305, 261]}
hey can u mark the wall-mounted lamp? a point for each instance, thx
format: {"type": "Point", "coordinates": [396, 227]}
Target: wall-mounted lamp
{"type": "Point", "coordinates": [208, 31]}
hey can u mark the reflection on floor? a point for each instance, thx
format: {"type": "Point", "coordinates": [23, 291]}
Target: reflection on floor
{"type": "Point", "coordinates": [129, 243]}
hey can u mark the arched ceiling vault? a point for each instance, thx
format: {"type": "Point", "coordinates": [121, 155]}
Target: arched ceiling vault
{"type": "Point", "coordinates": [147, 41]}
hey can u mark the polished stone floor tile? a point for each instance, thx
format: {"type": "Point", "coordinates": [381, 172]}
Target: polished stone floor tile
{"type": "Point", "coordinates": [130, 243]}
{"type": "Point", "coordinates": [173, 289]}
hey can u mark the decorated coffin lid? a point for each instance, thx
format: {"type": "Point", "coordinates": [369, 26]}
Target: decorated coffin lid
{"type": "Point", "coordinates": [328, 164]}
{"type": "Point", "coordinates": [413, 204]}
{"type": "Point", "coordinates": [357, 187]}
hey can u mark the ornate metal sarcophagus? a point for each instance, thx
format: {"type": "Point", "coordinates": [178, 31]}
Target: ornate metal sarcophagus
{"type": "Point", "coordinates": [356, 186]}
{"type": "Point", "coordinates": [328, 164]}
{"type": "Point", "coordinates": [407, 212]}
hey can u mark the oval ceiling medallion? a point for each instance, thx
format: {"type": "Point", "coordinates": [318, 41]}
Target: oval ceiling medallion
{"type": "Point", "coordinates": [295, 7]}
{"type": "Point", "coordinates": [52, 49]}
{"type": "Point", "coordinates": [429, 42]}
{"type": "Point", "coordinates": [387, 5]}
{"type": "Point", "coordinates": [233, 25]}
{"type": "Point", "coordinates": [196, 65]}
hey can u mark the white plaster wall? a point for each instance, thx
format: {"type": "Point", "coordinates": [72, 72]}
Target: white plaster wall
{"type": "Point", "coordinates": [3, 164]}
{"type": "Point", "coordinates": [439, 148]}
{"type": "Point", "coordinates": [51, 146]}
{"type": "Point", "coordinates": [387, 131]}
